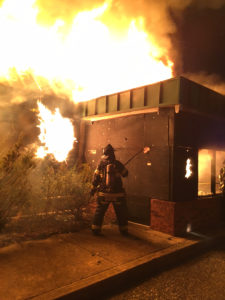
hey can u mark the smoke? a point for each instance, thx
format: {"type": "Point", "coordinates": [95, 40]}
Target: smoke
{"type": "Point", "coordinates": [214, 4]}
{"type": "Point", "coordinates": [165, 22]}
{"type": "Point", "coordinates": [162, 18]}
{"type": "Point", "coordinates": [211, 81]}
{"type": "Point", "coordinates": [56, 9]}
{"type": "Point", "coordinates": [18, 123]}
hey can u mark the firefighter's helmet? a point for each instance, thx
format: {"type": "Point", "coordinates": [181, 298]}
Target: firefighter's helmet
{"type": "Point", "coordinates": [108, 150]}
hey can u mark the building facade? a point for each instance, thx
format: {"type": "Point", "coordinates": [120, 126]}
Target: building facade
{"type": "Point", "coordinates": [173, 187]}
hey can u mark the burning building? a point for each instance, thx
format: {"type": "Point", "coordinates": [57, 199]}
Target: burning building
{"type": "Point", "coordinates": [173, 187]}
{"type": "Point", "coordinates": [72, 52]}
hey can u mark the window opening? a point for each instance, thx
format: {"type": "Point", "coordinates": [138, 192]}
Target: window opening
{"type": "Point", "coordinates": [205, 157]}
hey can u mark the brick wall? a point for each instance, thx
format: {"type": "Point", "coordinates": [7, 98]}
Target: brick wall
{"type": "Point", "coordinates": [173, 217]}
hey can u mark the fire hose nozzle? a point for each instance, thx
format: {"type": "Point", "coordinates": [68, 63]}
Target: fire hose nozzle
{"type": "Point", "coordinates": [146, 150]}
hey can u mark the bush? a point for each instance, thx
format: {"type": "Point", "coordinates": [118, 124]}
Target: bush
{"type": "Point", "coordinates": [63, 188]}
{"type": "Point", "coordinates": [15, 188]}
{"type": "Point", "coordinates": [37, 187]}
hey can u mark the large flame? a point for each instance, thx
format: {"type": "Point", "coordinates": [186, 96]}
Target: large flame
{"type": "Point", "coordinates": [56, 134]}
{"type": "Point", "coordinates": [83, 60]}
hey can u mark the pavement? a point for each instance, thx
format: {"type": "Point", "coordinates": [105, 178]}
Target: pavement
{"type": "Point", "coordinates": [82, 266]}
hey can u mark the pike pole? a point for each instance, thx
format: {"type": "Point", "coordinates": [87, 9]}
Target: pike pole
{"type": "Point", "coordinates": [145, 150]}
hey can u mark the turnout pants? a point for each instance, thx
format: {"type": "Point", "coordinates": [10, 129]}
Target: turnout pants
{"type": "Point", "coordinates": [120, 208]}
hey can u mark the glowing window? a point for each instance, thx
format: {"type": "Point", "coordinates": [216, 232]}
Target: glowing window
{"type": "Point", "coordinates": [205, 157]}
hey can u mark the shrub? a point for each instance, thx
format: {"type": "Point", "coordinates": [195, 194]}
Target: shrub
{"type": "Point", "coordinates": [64, 188]}
{"type": "Point", "coordinates": [37, 187]}
{"type": "Point", "coordinates": [15, 188]}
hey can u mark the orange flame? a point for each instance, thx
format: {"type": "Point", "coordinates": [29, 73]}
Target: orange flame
{"type": "Point", "coordinates": [57, 134]}
{"type": "Point", "coordinates": [90, 57]}
{"type": "Point", "coordinates": [88, 60]}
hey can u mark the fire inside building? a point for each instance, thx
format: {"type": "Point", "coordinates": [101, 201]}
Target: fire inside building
{"type": "Point", "coordinates": [173, 186]}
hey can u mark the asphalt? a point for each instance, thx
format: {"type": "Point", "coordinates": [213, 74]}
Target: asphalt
{"type": "Point", "coordinates": [82, 266]}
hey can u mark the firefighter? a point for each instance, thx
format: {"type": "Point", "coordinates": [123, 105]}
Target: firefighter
{"type": "Point", "coordinates": [222, 186]}
{"type": "Point", "coordinates": [108, 186]}
{"type": "Point", "coordinates": [222, 178]}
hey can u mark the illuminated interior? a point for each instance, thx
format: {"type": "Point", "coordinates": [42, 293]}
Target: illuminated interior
{"type": "Point", "coordinates": [209, 164]}
{"type": "Point", "coordinates": [204, 172]}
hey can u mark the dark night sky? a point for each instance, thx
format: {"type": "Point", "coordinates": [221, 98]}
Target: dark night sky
{"type": "Point", "coordinates": [200, 38]}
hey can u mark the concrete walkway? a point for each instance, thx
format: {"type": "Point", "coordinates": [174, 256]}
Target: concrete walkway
{"type": "Point", "coordinates": [82, 266]}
